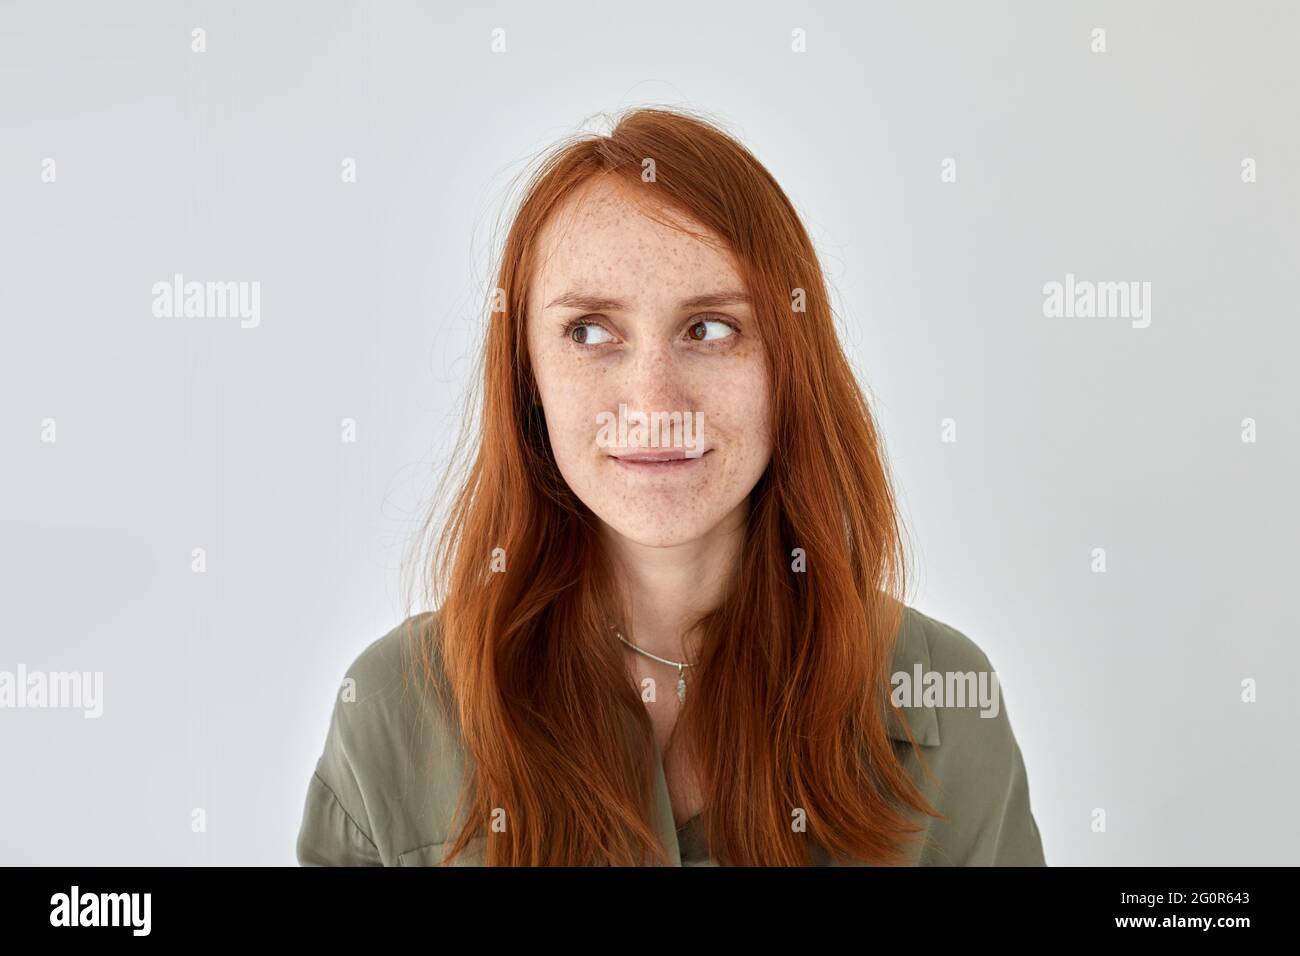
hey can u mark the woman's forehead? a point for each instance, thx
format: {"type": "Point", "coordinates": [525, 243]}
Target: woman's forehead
{"type": "Point", "coordinates": [607, 242]}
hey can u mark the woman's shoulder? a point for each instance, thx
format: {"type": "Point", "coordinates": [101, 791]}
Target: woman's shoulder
{"type": "Point", "coordinates": [394, 657]}
{"type": "Point", "coordinates": [389, 772]}
{"type": "Point", "coordinates": [922, 646]}
{"type": "Point", "coordinates": [396, 682]}
{"type": "Point", "coordinates": [946, 684]}
{"type": "Point", "coordinates": [925, 638]}
{"type": "Point", "coordinates": [954, 702]}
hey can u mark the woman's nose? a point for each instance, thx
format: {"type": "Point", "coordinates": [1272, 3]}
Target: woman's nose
{"type": "Point", "coordinates": [656, 382]}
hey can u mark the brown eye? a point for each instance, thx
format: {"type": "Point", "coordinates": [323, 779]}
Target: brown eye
{"type": "Point", "coordinates": [700, 331]}
{"type": "Point", "coordinates": [588, 333]}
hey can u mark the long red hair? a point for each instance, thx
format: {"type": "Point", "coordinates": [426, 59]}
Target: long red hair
{"type": "Point", "coordinates": [790, 696]}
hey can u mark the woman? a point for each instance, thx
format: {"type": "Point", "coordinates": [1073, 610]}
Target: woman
{"type": "Point", "coordinates": [669, 588]}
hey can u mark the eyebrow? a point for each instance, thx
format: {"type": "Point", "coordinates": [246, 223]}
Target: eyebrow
{"type": "Point", "coordinates": [597, 303]}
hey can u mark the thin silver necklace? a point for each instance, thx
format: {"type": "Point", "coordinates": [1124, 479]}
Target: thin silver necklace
{"type": "Point", "coordinates": [680, 665]}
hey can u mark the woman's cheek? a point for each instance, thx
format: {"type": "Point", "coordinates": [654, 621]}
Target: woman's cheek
{"type": "Point", "coordinates": [574, 443]}
{"type": "Point", "coordinates": [739, 407]}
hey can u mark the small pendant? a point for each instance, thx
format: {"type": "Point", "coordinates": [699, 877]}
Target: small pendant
{"type": "Point", "coordinates": [681, 689]}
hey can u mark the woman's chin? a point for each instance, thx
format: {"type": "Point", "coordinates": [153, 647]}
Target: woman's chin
{"type": "Point", "coordinates": [661, 534]}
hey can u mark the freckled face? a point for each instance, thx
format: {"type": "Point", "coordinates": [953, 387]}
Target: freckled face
{"type": "Point", "coordinates": [624, 310]}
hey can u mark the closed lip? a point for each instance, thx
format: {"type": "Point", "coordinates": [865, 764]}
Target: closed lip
{"type": "Point", "coordinates": [658, 456]}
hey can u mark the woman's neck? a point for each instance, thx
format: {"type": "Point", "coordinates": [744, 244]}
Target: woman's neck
{"type": "Point", "coordinates": [669, 588]}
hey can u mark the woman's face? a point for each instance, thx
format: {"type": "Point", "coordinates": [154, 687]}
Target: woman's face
{"type": "Point", "coordinates": [624, 311]}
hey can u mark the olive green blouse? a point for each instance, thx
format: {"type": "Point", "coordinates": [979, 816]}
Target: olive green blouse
{"type": "Point", "coordinates": [385, 787]}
